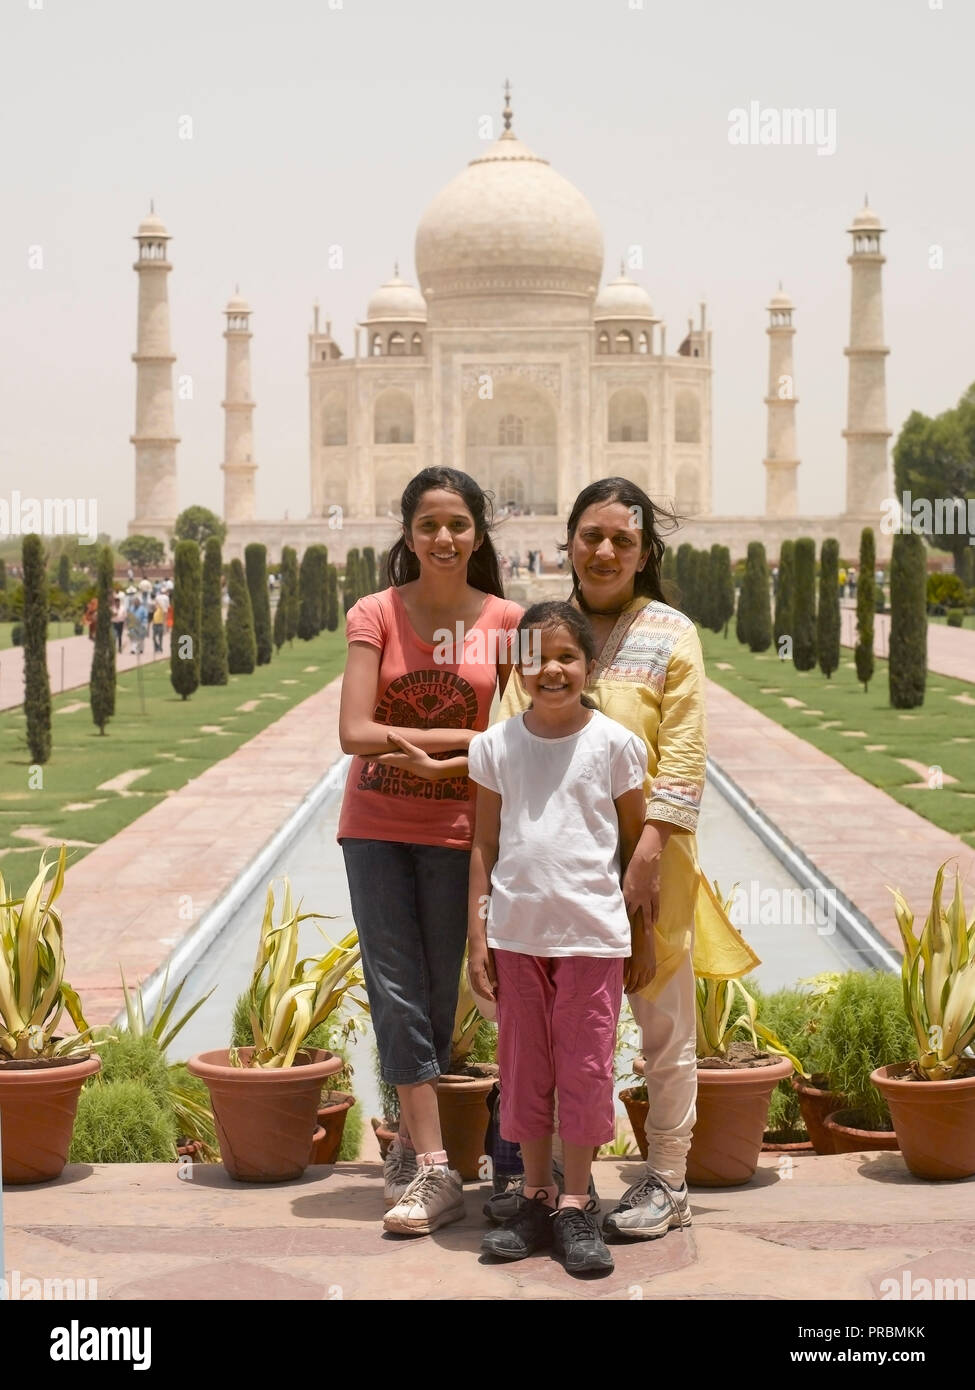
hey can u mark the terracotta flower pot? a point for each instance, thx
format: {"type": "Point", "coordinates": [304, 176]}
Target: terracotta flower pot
{"type": "Point", "coordinates": [816, 1101]}
{"type": "Point", "coordinates": [732, 1112]}
{"type": "Point", "coordinates": [38, 1103]}
{"type": "Point", "coordinates": [637, 1110]}
{"type": "Point", "coordinates": [849, 1138]}
{"type": "Point", "coordinates": [934, 1122]}
{"type": "Point", "coordinates": [264, 1115]}
{"type": "Point", "coordinates": [331, 1126]}
{"type": "Point", "coordinates": [770, 1145]}
{"type": "Point", "coordinates": [464, 1120]}
{"type": "Point", "coordinates": [385, 1132]}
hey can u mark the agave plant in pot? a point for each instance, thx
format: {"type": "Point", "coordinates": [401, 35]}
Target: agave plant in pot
{"type": "Point", "coordinates": [265, 1097]}
{"type": "Point", "coordinates": [932, 1096]}
{"type": "Point", "coordinates": [735, 1081]}
{"type": "Point", "coordinates": [41, 1073]}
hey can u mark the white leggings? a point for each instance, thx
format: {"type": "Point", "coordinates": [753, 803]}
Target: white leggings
{"type": "Point", "coordinates": [669, 1046]}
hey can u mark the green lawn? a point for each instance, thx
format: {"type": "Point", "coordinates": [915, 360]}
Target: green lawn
{"type": "Point", "coordinates": [152, 728]}
{"type": "Point", "coordinates": [842, 720]}
{"type": "Point", "coordinates": [967, 621]}
{"type": "Point", "coordinates": [53, 630]}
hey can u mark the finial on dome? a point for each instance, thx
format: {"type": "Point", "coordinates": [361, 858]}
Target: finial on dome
{"type": "Point", "coordinates": [236, 289]}
{"type": "Point", "coordinates": [507, 112]}
{"type": "Point", "coordinates": [152, 205]}
{"type": "Point", "coordinates": [780, 286]}
{"type": "Point", "coordinates": [396, 270]}
{"type": "Point", "coordinates": [622, 266]}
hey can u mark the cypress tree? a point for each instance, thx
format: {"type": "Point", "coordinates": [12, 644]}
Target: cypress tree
{"type": "Point", "coordinates": [37, 685]}
{"type": "Point", "coordinates": [785, 595]}
{"type": "Point", "coordinates": [184, 652]}
{"type": "Point", "coordinates": [715, 604]}
{"type": "Point", "coordinates": [308, 595]}
{"type": "Point", "coordinates": [668, 565]}
{"type": "Point", "coordinates": [332, 599]}
{"type": "Point", "coordinates": [684, 577]}
{"type": "Point", "coordinates": [383, 576]}
{"type": "Point", "coordinates": [321, 586]}
{"type": "Point", "coordinates": [804, 607]}
{"type": "Point", "coordinates": [279, 621]}
{"type": "Point", "coordinates": [289, 592]}
{"type": "Point", "coordinates": [255, 564]}
{"type": "Point", "coordinates": [350, 583]}
{"type": "Point", "coordinates": [828, 617]}
{"type": "Point", "coordinates": [369, 563]}
{"type": "Point", "coordinates": [101, 689]}
{"type": "Point", "coordinates": [758, 608]}
{"type": "Point", "coordinates": [866, 603]}
{"type": "Point", "coordinates": [725, 590]}
{"type": "Point", "coordinates": [741, 613]}
{"type": "Point", "coordinates": [64, 574]}
{"type": "Point", "coordinates": [908, 657]}
{"type": "Point", "coordinates": [241, 642]}
{"type": "Point", "coordinates": [213, 655]}
{"type": "Point", "coordinates": [3, 574]}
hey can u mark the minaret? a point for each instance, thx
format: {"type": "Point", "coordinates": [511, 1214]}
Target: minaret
{"type": "Point", "coordinates": [781, 460]}
{"type": "Point", "coordinates": [238, 451]}
{"type": "Point", "coordinates": [866, 433]}
{"type": "Point", "coordinates": [155, 439]}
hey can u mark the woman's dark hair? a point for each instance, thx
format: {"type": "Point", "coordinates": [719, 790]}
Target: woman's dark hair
{"type": "Point", "coordinates": [650, 519]}
{"type": "Point", "coordinates": [483, 571]}
{"type": "Point", "coordinates": [557, 613]}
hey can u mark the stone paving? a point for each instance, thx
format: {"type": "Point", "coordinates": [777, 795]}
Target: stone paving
{"type": "Point", "coordinates": [68, 664]}
{"type": "Point", "coordinates": [951, 650]}
{"type": "Point", "coordinates": [805, 1227]}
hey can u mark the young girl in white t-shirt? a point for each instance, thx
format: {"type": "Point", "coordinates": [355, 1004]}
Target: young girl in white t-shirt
{"type": "Point", "coordinates": [560, 809]}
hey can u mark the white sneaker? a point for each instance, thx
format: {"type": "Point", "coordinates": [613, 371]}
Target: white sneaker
{"type": "Point", "coordinates": [434, 1198]}
{"type": "Point", "coordinates": [399, 1170]}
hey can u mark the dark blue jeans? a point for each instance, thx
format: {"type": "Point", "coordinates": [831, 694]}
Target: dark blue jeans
{"type": "Point", "coordinates": [409, 903]}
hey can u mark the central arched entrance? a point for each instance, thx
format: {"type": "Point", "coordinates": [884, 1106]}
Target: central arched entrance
{"type": "Point", "coordinates": [511, 447]}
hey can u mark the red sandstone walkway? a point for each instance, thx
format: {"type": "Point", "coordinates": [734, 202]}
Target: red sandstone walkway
{"type": "Point", "coordinates": [68, 663]}
{"type": "Point", "coordinates": [855, 834]}
{"type": "Point", "coordinates": [951, 650]}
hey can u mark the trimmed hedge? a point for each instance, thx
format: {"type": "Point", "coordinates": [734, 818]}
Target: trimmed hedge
{"type": "Point", "coordinates": [101, 689]}
{"type": "Point", "coordinates": [828, 617]}
{"type": "Point", "coordinates": [255, 567]}
{"type": "Point", "coordinates": [804, 607]}
{"type": "Point", "coordinates": [213, 658]}
{"type": "Point", "coordinates": [908, 651]}
{"type": "Point", "coordinates": [866, 604]}
{"type": "Point", "coordinates": [184, 652]}
{"type": "Point", "coordinates": [37, 684]}
{"type": "Point", "coordinates": [241, 642]}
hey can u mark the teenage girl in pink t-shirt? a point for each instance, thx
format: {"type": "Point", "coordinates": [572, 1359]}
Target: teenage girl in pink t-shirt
{"type": "Point", "coordinates": [425, 658]}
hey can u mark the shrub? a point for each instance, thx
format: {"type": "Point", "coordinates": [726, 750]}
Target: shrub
{"type": "Point", "coordinates": [351, 1145]}
{"type": "Point", "coordinates": [785, 594]}
{"type": "Point", "coordinates": [17, 635]}
{"type": "Point", "coordinates": [332, 599]}
{"type": "Point", "coordinates": [37, 685]}
{"type": "Point", "coordinates": [369, 570]}
{"type": "Point", "coordinates": [866, 604]}
{"type": "Point", "coordinates": [241, 642]}
{"type": "Point", "coordinates": [757, 623]}
{"type": "Point", "coordinates": [945, 588]}
{"type": "Point", "coordinates": [213, 657]}
{"type": "Point", "coordinates": [101, 688]}
{"type": "Point", "coordinates": [64, 574]}
{"type": "Point", "coordinates": [828, 617]}
{"type": "Point", "coordinates": [804, 608]}
{"type": "Point", "coordinates": [255, 565]}
{"type": "Point", "coordinates": [286, 617]}
{"type": "Point", "coordinates": [908, 648]}
{"type": "Point", "coordinates": [126, 1057]}
{"type": "Point", "coordinates": [351, 584]}
{"type": "Point", "coordinates": [310, 596]}
{"type": "Point", "coordinates": [683, 568]}
{"type": "Point", "coordinates": [794, 1017]}
{"type": "Point", "coordinates": [956, 617]}
{"type": "Point", "coordinates": [122, 1122]}
{"type": "Point", "coordinates": [864, 1026]}
{"type": "Point", "coordinates": [184, 654]}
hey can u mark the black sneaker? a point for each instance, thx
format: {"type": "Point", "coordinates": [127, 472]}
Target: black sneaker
{"type": "Point", "coordinates": [530, 1229]}
{"type": "Point", "coordinates": [506, 1199]}
{"type": "Point", "coordinates": [578, 1242]}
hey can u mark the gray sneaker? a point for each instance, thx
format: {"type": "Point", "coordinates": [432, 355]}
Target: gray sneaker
{"type": "Point", "coordinates": [399, 1170]}
{"type": "Point", "coordinates": [649, 1208]}
{"type": "Point", "coordinates": [434, 1198]}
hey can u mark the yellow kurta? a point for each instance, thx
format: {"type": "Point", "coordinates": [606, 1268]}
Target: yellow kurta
{"type": "Point", "coordinates": [650, 678]}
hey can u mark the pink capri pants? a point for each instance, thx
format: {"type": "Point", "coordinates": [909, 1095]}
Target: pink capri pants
{"type": "Point", "coordinates": [557, 1019]}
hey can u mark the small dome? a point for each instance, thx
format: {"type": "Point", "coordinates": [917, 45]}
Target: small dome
{"type": "Point", "coordinates": [153, 226]}
{"type": "Point", "coordinates": [866, 220]}
{"type": "Point", "coordinates": [237, 304]}
{"type": "Point", "coordinates": [623, 298]}
{"type": "Point", "coordinates": [396, 300]}
{"type": "Point", "coordinates": [780, 300]}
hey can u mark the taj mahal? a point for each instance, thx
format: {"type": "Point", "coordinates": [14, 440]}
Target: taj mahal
{"type": "Point", "coordinates": [512, 359]}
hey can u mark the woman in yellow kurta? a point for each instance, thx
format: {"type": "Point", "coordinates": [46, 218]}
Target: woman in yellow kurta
{"type": "Point", "coordinates": [650, 677]}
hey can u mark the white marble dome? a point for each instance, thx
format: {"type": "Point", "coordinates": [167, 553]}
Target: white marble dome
{"type": "Point", "coordinates": [508, 224]}
{"type": "Point", "coordinates": [623, 298]}
{"type": "Point", "coordinates": [396, 300]}
{"type": "Point", "coordinates": [152, 225]}
{"type": "Point", "coordinates": [866, 220]}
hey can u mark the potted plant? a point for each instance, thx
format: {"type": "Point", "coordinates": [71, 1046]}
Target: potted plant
{"type": "Point", "coordinates": [463, 1090]}
{"type": "Point", "coordinates": [735, 1081]}
{"type": "Point", "coordinates": [794, 1016]}
{"type": "Point", "coordinates": [265, 1097]}
{"type": "Point", "coordinates": [41, 1074]}
{"type": "Point", "coordinates": [932, 1096]}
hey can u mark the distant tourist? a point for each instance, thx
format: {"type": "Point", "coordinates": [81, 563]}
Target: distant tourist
{"type": "Point", "coordinates": [158, 625]}
{"type": "Point", "coordinates": [119, 609]}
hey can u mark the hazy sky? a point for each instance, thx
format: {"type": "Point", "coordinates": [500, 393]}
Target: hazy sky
{"type": "Point", "coordinates": [317, 123]}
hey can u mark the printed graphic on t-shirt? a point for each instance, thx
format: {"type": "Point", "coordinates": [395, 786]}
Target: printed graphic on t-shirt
{"type": "Point", "coordinates": [422, 700]}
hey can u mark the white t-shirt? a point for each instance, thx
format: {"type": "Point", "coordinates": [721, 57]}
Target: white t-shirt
{"type": "Point", "coordinates": [555, 889]}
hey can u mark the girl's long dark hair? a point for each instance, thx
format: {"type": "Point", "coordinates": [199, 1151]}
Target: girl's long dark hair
{"type": "Point", "coordinates": [483, 571]}
{"type": "Point", "coordinates": [653, 521]}
{"type": "Point", "coordinates": [557, 613]}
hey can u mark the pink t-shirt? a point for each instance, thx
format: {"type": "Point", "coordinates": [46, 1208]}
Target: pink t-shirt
{"type": "Point", "coordinates": [420, 689]}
